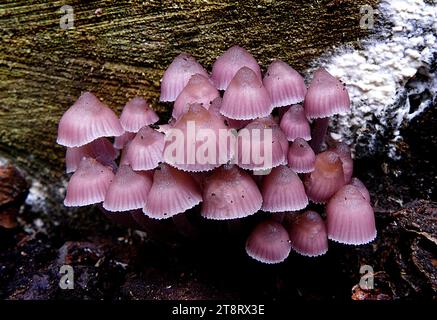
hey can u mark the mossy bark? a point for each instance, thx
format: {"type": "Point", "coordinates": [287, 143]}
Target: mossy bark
{"type": "Point", "coordinates": [119, 49]}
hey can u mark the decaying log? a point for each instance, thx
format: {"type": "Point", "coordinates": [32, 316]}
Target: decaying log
{"type": "Point", "coordinates": [119, 49]}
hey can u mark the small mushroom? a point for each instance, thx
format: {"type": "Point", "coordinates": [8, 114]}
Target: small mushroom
{"type": "Point", "coordinates": [307, 232]}
{"type": "Point", "coordinates": [177, 75]}
{"type": "Point", "coordinates": [228, 64]}
{"type": "Point", "coordinates": [172, 192]}
{"type": "Point", "coordinates": [198, 90]}
{"type": "Point", "coordinates": [246, 98]}
{"type": "Point", "coordinates": [284, 84]}
{"type": "Point", "coordinates": [137, 114]}
{"type": "Point", "coordinates": [301, 157]}
{"type": "Point", "coordinates": [344, 152]}
{"type": "Point", "coordinates": [230, 193]}
{"type": "Point", "coordinates": [295, 124]}
{"type": "Point", "coordinates": [326, 96]}
{"type": "Point", "coordinates": [268, 243]}
{"type": "Point", "coordinates": [326, 179]}
{"type": "Point", "coordinates": [145, 151]}
{"type": "Point", "coordinates": [350, 218]}
{"type": "Point", "coordinates": [282, 190]}
{"type": "Point", "coordinates": [89, 184]}
{"type": "Point", "coordinates": [128, 190]}
{"type": "Point", "coordinates": [86, 120]}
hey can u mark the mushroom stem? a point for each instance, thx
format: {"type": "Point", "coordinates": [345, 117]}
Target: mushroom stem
{"type": "Point", "coordinates": [318, 134]}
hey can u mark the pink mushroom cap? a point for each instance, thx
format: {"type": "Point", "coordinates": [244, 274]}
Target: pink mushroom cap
{"type": "Point", "coordinates": [230, 193]}
{"type": "Point", "coordinates": [282, 190]}
{"type": "Point", "coordinates": [128, 190]}
{"type": "Point", "coordinates": [350, 218]}
{"type": "Point", "coordinates": [295, 124]}
{"type": "Point", "coordinates": [86, 120]}
{"type": "Point", "coordinates": [198, 90]}
{"type": "Point", "coordinates": [301, 157]}
{"type": "Point", "coordinates": [284, 84]}
{"type": "Point", "coordinates": [326, 96]}
{"type": "Point", "coordinates": [307, 232]}
{"type": "Point", "coordinates": [178, 74]}
{"type": "Point", "coordinates": [268, 243]}
{"type": "Point", "coordinates": [172, 192]}
{"type": "Point", "coordinates": [227, 65]}
{"type": "Point", "coordinates": [246, 98]}
{"type": "Point", "coordinates": [137, 114]}
{"type": "Point", "coordinates": [326, 179]}
{"type": "Point", "coordinates": [89, 184]}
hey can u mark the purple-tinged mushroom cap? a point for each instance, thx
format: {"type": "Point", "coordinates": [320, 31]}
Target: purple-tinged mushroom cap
{"type": "Point", "coordinates": [350, 218]}
{"type": "Point", "coordinates": [307, 232]}
{"type": "Point", "coordinates": [301, 157]}
{"type": "Point", "coordinates": [227, 65]}
{"type": "Point", "coordinates": [261, 145]}
{"type": "Point", "coordinates": [100, 149]}
{"type": "Point", "coordinates": [282, 190]}
{"type": "Point", "coordinates": [295, 124]}
{"type": "Point", "coordinates": [89, 184]}
{"type": "Point", "coordinates": [172, 192]}
{"type": "Point", "coordinates": [199, 141]}
{"type": "Point", "coordinates": [128, 190]}
{"type": "Point", "coordinates": [198, 90]}
{"type": "Point", "coordinates": [230, 193]}
{"type": "Point", "coordinates": [246, 98]}
{"type": "Point", "coordinates": [284, 84]}
{"type": "Point", "coordinates": [268, 243]}
{"type": "Point", "coordinates": [326, 179]}
{"type": "Point", "coordinates": [326, 96]}
{"type": "Point", "coordinates": [178, 74]}
{"type": "Point", "coordinates": [86, 120]}
{"type": "Point", "coordinates": [145, 151]}
{"type": "Point", "coordinates": [137, 114]}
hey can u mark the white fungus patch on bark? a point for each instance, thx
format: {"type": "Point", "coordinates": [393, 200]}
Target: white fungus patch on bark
{"type": "Point", "coordinates": [377, 72]}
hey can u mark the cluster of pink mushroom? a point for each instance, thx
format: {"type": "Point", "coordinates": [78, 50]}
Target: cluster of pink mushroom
{"type": "Point", "coordinates": [133, 174]}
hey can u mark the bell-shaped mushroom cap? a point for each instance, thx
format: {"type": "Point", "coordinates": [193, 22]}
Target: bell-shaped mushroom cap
{"type": "Point", "coordinates": [268, 243]}
{"type": "Point", "coordinates": [199, 141]}
{"type": "Point", "coordinates": [178, 74]}
{"type": "Point", "coordinates": [282, 190]}
{"type": "Point", "coordinates": [86, 120]}
{"type": "Point", "coordinates": [231, 123]}
{"type": "Point", "coordinates": [261, 145]}
{"type": "Point", "coordinates": [227, 65]}
{"type": "Point", "coordinates": [360, 186]}
{"type": "Point", "coordinates": [198, 90]}
{"type": "Point", "coordinates": [295, 124]}
{"type": "Point", "coordinates": [88, 185]}
{"type": "Point", "coordinates": [301, 158]}
{"type": "Point", "coordinates": [230, 193]}
{"type": "Point", "coordinates": [326, 96]}
{"type": "Point", "coordinates": [128, 190]}
{"type": "Point", "coordinates": [307, 232]}
{"type": "Point", "coordinates": [350, 218]}
{"type": "Point", "coordinates": [137, 114]}
{"type": "Point", "coordinates": [344, 152]}
{"type": "Point", "coordinates": [326, 179]}
{"type": "Point", "coordinates": [100, 149]}
{"type": "Point", "coordinates": [121, 141]}
{"type": "Point", "coordinates": [145, 151]}
{"type": "Point", "coordinates": [172, 192]}
{"type": "Point", "coordinates": [284, 84]}
{"type": "Point", "coordinates": [246, 98]}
